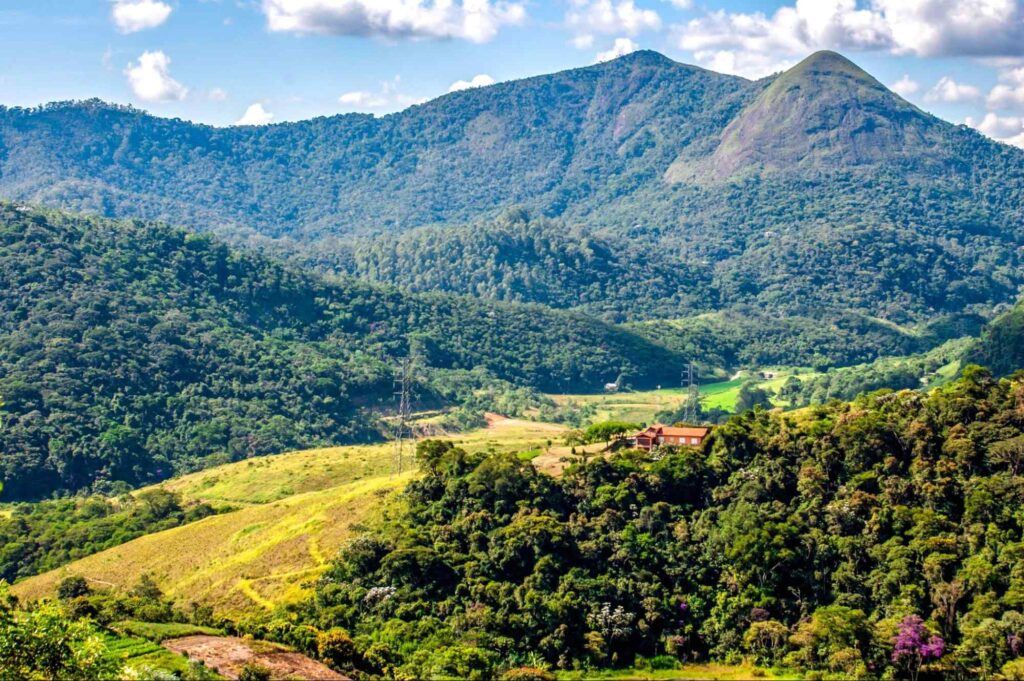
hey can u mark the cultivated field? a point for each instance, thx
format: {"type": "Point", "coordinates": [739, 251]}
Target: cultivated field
{"type": "Point", "coordinates": [292, 514]}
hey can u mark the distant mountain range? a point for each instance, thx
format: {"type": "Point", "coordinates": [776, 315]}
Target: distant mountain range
{"type": "Point", "coordinates": [814, 191]}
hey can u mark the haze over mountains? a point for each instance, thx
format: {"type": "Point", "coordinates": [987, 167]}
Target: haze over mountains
{"type": "Point", "coordinates": [817, 189]}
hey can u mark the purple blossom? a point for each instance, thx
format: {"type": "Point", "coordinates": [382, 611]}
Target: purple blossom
{"type": "Point", "coordinates": [912, 645]}
{"type": "Point", "coordinates": [1016, 644]}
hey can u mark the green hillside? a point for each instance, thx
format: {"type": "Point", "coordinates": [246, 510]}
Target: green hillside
{"type": "Point", "coordinates": [805, 540]}
{"type": "Point", "coordinates": [829, 192]}
{"type": "Point", "coordinates": [1001, 346]}
{"type": "Point", "coordinates": [130, 352]}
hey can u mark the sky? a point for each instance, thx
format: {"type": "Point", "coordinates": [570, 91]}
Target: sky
{"type": "Point", "coordinates": [256, 62]}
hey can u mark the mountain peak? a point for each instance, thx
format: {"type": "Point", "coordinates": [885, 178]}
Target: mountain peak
{"type": "Point", "coordinates": [824, 114]}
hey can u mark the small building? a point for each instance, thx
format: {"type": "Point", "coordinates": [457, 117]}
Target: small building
{"type": "Point", "coordinates": [671, 436]}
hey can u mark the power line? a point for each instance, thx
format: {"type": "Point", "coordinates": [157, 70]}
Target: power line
{"type": "Point", "coordinates": [403, 397]}
{"type": "Point", "coordinates": [692, 406]}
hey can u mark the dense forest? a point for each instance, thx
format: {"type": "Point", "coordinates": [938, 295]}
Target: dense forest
{"type": "Point", "coordinates": [899, 216]}
{"type": "Point", "coordinates": [867, 539]}
{"type": "Point", "coordinates": [1001, 345]}
{"type": "Point", "coordinates": [131, 352]}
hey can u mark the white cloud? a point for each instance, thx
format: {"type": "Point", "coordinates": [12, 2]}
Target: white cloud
{"type": "Point", "coordinates": [587, 17]}
{"type": "Point", "coordinates": [905, 86]}
{"type": "Point", "coordinates": [949, 91]}
{"type": "Point", "coordinates": [681, 4]}
{"type": "Point", "coordinates": [923, 27]}
{"type": "Point", "coordinates": [217, 95]}
{"type": "Point", "coordinates": [255, 115]}
{"type": "Point", "coordinates": [151, 81]}
{"type": "Point", "coordinates": [388, 98]}
{"type": "Point", "coordinates": [1008, 94]}
{"type": "Point", "coordinates": [621, 48]}
{"type": "Point", "coordinates": [955, 27]}
{"type": "Point", "coordinates": [1009, 129]}
{"type": "Point", "coordinates": [583, 42]}
{"type": "Point", "coordinates": [481, 80]}
{"type": "Point", "coordinates": [742, 63]}
{"type": "Point", "coordinates": [361, 99]}
{"type": "Point", "coordinates": [130, 16]}
{"type": "Point", "coordinates": [474, 20]}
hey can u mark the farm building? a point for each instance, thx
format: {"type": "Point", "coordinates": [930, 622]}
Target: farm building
{"type": "Point", "coordinates": [657, 436]}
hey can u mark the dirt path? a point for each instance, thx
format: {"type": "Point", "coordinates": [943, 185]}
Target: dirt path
{"type": "Point", "coordinates": [227, 656]}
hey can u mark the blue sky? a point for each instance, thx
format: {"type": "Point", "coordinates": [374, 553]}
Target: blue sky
{"type": "Point", "coordinates": [259, 61]}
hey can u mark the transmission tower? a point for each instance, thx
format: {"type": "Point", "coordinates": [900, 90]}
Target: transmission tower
{"type": "Point", "coordinates": [692, 406]}
{"type": "Point", "coordinates": [403, 399]}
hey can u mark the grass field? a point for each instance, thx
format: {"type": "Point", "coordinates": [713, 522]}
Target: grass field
{"type": "Point", "coordinates": [138, 653]}
{"type": "Point", "coordinates": [157, 632]}
{"type": "Point", "coordinates": [641, 406]}
{"type": "Point", "coordinates": [293, 512]}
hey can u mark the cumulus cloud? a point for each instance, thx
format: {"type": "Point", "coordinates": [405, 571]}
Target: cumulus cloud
{"type": "Point", "coordinates": [905, 86]}
{"type": "Point", "coordinates": [150, 78]}
{"type": "Point", "coordinates": [217, 95]}
{"type": "Point", "coordinates": [1008, 129]}
{"type": "Point", "coordinates": [1009, 93]}
{"type": "Point", "coordinates": [620, 48]}
{"type": "Point", "coordinates": [130, 16]}
{"type": "Point", "coordinates": [481, 80]}
{"type": "Point", "coordinates": [949, 91]}
{"type": "Point", "coordinates": [681, 4]}
{"type": "Point", "coordinates": [954, 27]}
{"type": "Point", "coordinates": [255, 115]}
{"type": "Point", "coordinates": [587, 17]}
{"type": "Point", "coordinates": [921, 27]}
{"type": "Point", "coordinates": [388, 98]}
{"type": "Point", "coordinates": [473, 20]}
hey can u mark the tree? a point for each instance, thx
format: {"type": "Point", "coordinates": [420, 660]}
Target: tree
{"type": "Point", "coordinates": [606, 431]}
{"type": "Point", "coordinates": [913, 645]}
{"type": "Point", "coordinates": [336, 648]}
{"type": "Point", "coordinates": [44, 643]}
{"type": "Point", "coordinates": [73, 587]}
{"type": "Point", "coordinates": [160, 503]}
{"type": "Point", "coordinates": [766, 640]}
{"type": "Point", "coordinates": [750, 396]}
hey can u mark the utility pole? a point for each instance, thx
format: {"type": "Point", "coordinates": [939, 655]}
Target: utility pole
{"type": "Point", "coordinates": [403, 399]}
{"type": "Point", "coordinates": [689, 381]}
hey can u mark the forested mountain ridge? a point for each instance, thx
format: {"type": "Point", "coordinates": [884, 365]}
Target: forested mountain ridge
{"type": "Point", "coordinates": [867, 204]}
{"type": "Point", "coordinates": [546, 141]}
{"type": "Point", "coordinates": [130, 351]}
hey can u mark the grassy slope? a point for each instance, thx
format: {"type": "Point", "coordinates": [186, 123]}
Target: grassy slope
{"type": "Point", "coordinates": [641, 406]}
{"type": "Point", "coordinates": [296, 510]}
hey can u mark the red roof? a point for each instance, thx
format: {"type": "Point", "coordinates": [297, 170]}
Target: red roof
{"type": "Point", "coordinates": [684, 432]}
{"type": "Point", "coordinates": [672, 431]}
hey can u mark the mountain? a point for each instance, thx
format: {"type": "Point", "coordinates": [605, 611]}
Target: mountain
{"type": "Point", "coordinates": [824, 113]}
{"type": "Point", "coordinates": [130, 351]}
{"type": "Point", "coordinates": [813, 190]}
{"type": "Point", "coordinates": [548, 141]}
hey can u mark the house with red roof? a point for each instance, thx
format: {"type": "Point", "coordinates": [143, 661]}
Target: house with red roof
{"type": "Point", "coordinates": [671, 436]}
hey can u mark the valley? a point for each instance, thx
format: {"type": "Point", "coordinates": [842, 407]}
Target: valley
{"type": "Point", "coordinates": [352, 396]}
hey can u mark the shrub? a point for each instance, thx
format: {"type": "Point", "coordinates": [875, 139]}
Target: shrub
{"type": "Point", "coordinates": [336, 648]}
{"type": "Point", "coordinates": [254, 672]}
{"type": "Point", "coordinates": [527, 674]}
{"type": "Point", "coordinates": [71, 587]}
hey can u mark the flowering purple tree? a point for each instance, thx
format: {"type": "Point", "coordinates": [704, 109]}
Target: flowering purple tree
{"type": "Point", "coordinates": [912, 646]}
